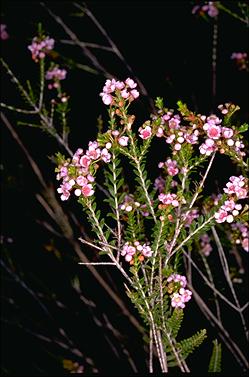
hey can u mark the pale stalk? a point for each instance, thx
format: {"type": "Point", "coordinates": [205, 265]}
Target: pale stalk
{"type": "Point", "coordinates": [42, 74]}
{"type": "Point", "coordinates": [154, 255]}
{"type": "Point", "coordinates": [204, 259]}
{"type": "Point", "coordinates": [188, 238]}
{"type": "Point", "coordinates": [151, 319]}
{"type": "Point", "coordinates": [211, 285]}
{"type": "Point", "coordinates": [228, 278]}
{"type": "Point", "coordinates": [151, 351]}
{"type": "Point", "coordinates": [180, 225]}
{"type": "Point", "coordinates": [236, 352]}
{"type": "Point", "coordinates": [116, 204]}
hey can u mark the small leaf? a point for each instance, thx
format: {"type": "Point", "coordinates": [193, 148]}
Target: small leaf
{"type": "Point", "coordinates": [244, 127]}
{"type": "Point", "coordinates": [215, 360]}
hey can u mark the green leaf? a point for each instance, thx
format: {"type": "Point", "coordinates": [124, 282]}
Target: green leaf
{"type": "Point", "coordinates": [159, 102]}
{"type": "Point", "coordinates": [244, 127]}
{"type": "Point", "coordinates": [188, 345]}
{"type": "Point", "coordinates": [175, 321]}
{"type": "Point", "coordinates": [215, 360]}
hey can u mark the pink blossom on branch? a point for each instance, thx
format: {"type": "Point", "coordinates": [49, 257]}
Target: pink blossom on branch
{"type": "Point", "coordinates": [145, 133]}
{"type": "Point", "coordinates": [40, 47]}
{"type": "Point", "coordinates": [56, 73]}
{"type": "Point", "coordinates": [112, 89]}
{"type": "Point", "coordinates": [76, 174]}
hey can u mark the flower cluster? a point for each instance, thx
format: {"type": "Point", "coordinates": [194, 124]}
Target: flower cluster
{"type": "Point", "coordinates": [203, 130]}
{"type": "Point", "coordinates": [219, 137]}
{"type": "Point", "coordinates": [237, 186]}
{"type": "Point", "coordinates": [169, 199]}
{"type": "Point", "coordinates": [126, 90]}
{"type": "Point", "coordinates": [56, 74]}
{"type": "Point", "coordinates": [236, 189]}
{"type": "Point", "coordinates": [176, 287]}
{"type": "Point", "coordinates": [76, 175]}
{"type": "Point", "coordinates": [3, 33]}
{"type": "Point", "coordinates": [130, 250]}
{"type": "Point", "coordinates": [241, 235]}
{"type": "Point", "coordinates": [210, 8]}
{"type": "Point", "coordinates": [40, 47]}
{"type": "Point", "coordinates": [206, 247]}
{"type": "Point", "coordinates": [174, 132]}
{"type": "Point", "coordinates": [241, 60]}
{"type": "Point", "coordinates": [171, 166]}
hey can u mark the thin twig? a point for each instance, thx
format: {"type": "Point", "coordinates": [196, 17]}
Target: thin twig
{"type": "Point", "coordinates": [236, 352]}
{"type": "Point", "coordinates": [227, 276]}
{"type": "Point", "coordinates": [211, 285]}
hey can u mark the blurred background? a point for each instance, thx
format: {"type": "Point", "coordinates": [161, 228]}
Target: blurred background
{"type": "Point", "coordinates": [57, 316]}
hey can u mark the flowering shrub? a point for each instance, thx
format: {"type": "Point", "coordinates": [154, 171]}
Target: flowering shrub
{"type": "Point", "coordinates": [151, 230]}
{"type": "Point", "coordinates": [154, 284]}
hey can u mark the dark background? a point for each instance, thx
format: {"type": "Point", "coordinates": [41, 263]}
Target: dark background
{"type": "Point", "coordinates": [170, 50]}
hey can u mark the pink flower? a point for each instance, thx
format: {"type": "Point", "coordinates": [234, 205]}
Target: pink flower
{"type": "Point", "coordinates": [221, 216]}
{"type": "Point", "coordinates": [123, 140]}
{"type": "Point", "coordinates": [177, 301]}
{"type": "Point", "coordinates": [146, 250]}
{"type": "Point", "coordinates": [126, 90]}
{"type": "Point", "coordinates": [159, 132]}
{"type": "Point", "coordinates": [208, 148]}
{"type": "Point", "coordinates": [176, 278]}
{"type": "Point", "coordinates": [213, 131]}
{"type": "Point", "coordinates": [186, 294]}
{"type": "Point", "coordinates": [131, 84]}
{"type": "Point", "coordinates": [110, 86]}
{"type": "Point", "coordinates": [236, 186]}
{"type": "Point", "coordinates": [134, 93]}
{"type": "Point", "coordinates": [177, 146]}
{"type": "Point", "coordinates": [87, 190]}
{"type": "Point", "coordinates": [77, 192]}
{"type": "Point", "coordinates": [171, 167]}
{"type": "Point", "coordinates": [119, 85]}
{"type": "Point", "coordinates": [211, 9]}
{"type": "Point", "coordinates": [40, 47]}
{"type": "Point", "coordinates": [81, 181]}
{"type": "Point", "coordinates": [174, 122]}
{"type": "Point", "coordinates": [105, 155]}
{"type": "Point", "coordinates": [227, 132]}
{"type": "Point", "coordinates": [170, 139]}
{"type": "Point", "coordinates": [106, 98]}
{"type": "Point", "coordinates": [85, 161]}
{"type": "Point", "coordinates": [56, 74]}
{"type": "Point", "coordinates": [145, 133]}
{"type": "Point", "coordinates": [169, 199]}
{"type": "Point", "coordinates": [128, 249]}
{"type": "Point", "coordinates": [125, 94]}
{"type": "Point", "coordinates": [63, 172]}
